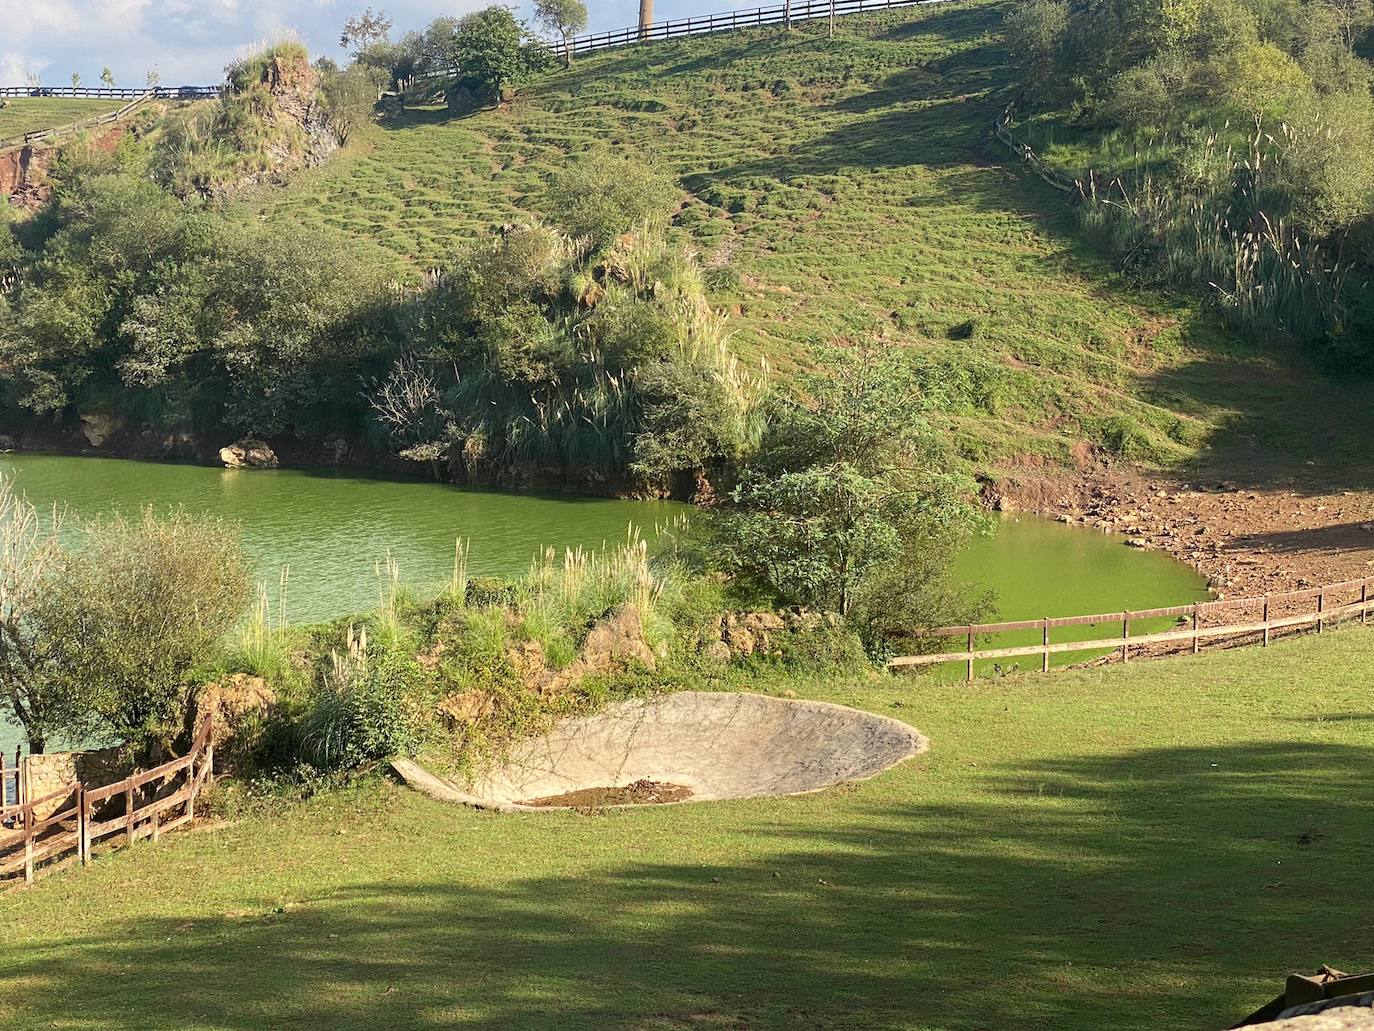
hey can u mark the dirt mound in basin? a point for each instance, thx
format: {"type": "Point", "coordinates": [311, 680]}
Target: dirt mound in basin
{"type": "Point", "coordinates": [641, 792]}
{"type": "Point", "coordinates": [709, 745]}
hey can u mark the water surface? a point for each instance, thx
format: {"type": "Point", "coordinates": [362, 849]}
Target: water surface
{"type": "Point", "coordinates": [334, 530]}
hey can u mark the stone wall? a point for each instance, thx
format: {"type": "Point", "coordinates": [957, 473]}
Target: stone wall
{"type": "Point", "coordinates": [45, 774]}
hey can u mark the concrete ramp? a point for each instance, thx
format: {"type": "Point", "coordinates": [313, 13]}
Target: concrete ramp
{"type": "Point", "coordinates": [717, 745]}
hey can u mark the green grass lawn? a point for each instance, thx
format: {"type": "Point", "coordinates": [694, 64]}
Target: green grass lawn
{"type": "Point", "coordinates": [29, 114]}
{"type": "Point", "coordinates": [1139, 847]}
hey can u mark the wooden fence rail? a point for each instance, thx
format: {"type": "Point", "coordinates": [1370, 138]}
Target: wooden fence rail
{"type": "Point", "coordinates": [84, 817]}
{"type": "Point", "coordinates": [112, 92]}
{"type": "Point", "coordinates": [58, 132]}
{"type": "Point", "coordinates": [1319, 607]}
{"type": "Point", "coordinates": [726, 21]}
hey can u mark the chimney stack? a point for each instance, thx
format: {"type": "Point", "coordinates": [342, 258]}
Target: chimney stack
{"type": "Point", "coordinates": [646, 17]}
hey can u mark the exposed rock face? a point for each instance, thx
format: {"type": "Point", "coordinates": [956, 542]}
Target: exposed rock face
{"type": "Point", "coordinates": [241, 705]}
{"type": "Point", "coordinates": [248, 453]}
{"type": "Point", "coordinates": [741, 634]}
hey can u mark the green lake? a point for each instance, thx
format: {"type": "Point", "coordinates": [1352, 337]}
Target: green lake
{"type": "Point", "coordinates": [333, 532]}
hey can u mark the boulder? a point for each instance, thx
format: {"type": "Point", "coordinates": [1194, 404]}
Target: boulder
{"type": "Point", "coordinates": [248, 453]}
{"type": "Point", "coordinates": [97, 427]}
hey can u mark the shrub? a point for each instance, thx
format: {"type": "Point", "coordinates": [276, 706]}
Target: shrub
{"type": "Point", "coordinates": [841, 489]}
{"type": "Point", "coordinates": [1036, 32]}
{"type": "Point", "coordinates": [136, 609]}
{"type": "Point", "coordinates": [602, 196]}
{"type": "Point", "coordinates": [363, 712]}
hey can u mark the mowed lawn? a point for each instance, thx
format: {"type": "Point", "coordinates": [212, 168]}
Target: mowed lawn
{"type": "Point", "coordinates": [29, 114]}
{"type": "Point", "coordinates": [1140, 847]}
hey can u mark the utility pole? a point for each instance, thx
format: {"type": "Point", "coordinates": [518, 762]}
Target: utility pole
{"type": "Point", "coordinates": [832, 19]}
{"type": "Point", "coordinates": [646, 17]}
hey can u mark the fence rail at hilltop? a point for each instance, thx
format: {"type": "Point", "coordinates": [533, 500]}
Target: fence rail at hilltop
{"type": "Point", "coordinates": [72, 819]}
{"type": "Point", "coordinates": [1232, 621]}
{"type": "Point", "coordinates": [112, 92]}
{"type": "Point", "coordinates": [725, 21]}
{"type": "Point", "coordinates": [71, 129]}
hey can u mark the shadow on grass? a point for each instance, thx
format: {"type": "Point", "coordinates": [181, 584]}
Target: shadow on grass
{"type": "Point", "coordinates": [1169, 887]}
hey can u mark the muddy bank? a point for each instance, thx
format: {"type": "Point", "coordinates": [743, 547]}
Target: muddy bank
{"type": "Point", "coordinates": [1245, 541]}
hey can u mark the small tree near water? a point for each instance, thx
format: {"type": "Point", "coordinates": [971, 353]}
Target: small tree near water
{"type": "Point", "coordinates": [130, 614]}
{"type": "Point", "coordinates": [32, 692]}
{"type": "Point", "coordinates": [846, 489]}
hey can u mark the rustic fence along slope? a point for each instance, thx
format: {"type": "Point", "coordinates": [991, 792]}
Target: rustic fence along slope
{"type": "Point", "coordinates": [726, 21]}
{"type": "Point", "coordinates": [61, 131]}
{"type": "Point", "coordinates": [1227, 621]}
{"type": "Point", "coordinates": [143, 805]}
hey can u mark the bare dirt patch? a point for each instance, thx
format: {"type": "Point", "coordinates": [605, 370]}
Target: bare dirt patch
{"type": "Point", "coordinates": [641, 792]}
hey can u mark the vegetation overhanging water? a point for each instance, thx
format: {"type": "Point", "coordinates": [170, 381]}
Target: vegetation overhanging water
{"type": "Point", "coordinates": [334, 533]}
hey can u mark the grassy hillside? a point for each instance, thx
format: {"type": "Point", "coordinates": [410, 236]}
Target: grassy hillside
{"type": "Point", "coordinates": [1147, 846]}
{"type": "Point", "coordinates": [29, 114]}
{"type": "Point", "coordinates": [854, 187]}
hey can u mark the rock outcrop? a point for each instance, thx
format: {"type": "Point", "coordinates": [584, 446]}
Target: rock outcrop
{"type": "Point", "coordinates": [241, 705]}
{"type": "Point", "coordinates": [248, 453]}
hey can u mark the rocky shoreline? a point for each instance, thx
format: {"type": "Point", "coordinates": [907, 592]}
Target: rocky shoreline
{"type": "Point", "coordinates": [1246, 541]}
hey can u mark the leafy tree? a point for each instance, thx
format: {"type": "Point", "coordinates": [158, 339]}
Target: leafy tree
{"type": "Point", "coordinates": [566, 18]}
{"type": "Point", "coordinates": [136, 609]}
{"type": "Point", "coordinates": [602, 195]}
{"type": "Point", "coordinates": [350, 97]}
{"type": "Point", "coordinates": [76, 80]}
{"type": "Point", "coordinates": [488, 50]}
{"type": "Point", "coordinates": [152, 78]}
{"type": "Point", "coordinates": [842, 488]}
{"type": "Point", "coordinates": [107, 77]}
{"type": "Point", "coordinates": [1036, 33]}
{"type": "Point", "coordinates": [32, 690]}
{"type": "Point", "coordinates": [361, 31]}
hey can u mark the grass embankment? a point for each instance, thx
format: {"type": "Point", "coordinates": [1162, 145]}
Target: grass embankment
{"type": "Point", "coordinates": [854, 187]}
{"type": "Point", "coordinates": [29, 114]}
{"type": "Point", "coordinates": [1127, 848]}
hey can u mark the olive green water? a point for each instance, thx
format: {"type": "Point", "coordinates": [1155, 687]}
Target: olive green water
{"type": "Point", "coordinates": [332, 531]}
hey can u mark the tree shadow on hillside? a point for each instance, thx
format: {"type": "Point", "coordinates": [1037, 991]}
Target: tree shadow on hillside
{"type": "Point", "coordinates": [1164, 887]}
{"type": "Point", "coordinates": [1292, 425]}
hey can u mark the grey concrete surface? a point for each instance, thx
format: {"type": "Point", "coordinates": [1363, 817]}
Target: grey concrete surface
{"type": "Point", "coordinates": [720, 745]}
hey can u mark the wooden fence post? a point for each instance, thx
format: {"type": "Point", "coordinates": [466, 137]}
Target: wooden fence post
{"type": "Point", "coordinates": [970, 654]}
{"type": "Point", "coordinates": [1321, 607]}
{"type": "Point", "coordinates": [1197, 641]}
{"type": "Point", "coordinates": [1266, 621]}
{"type": "Point", "coordinates": [1125, 636]}
{"type": "Point", "coordinates": [1045, 643]}
{"type": "Point", "coordinates": [1364, 600]}
{"type": "Point", "coordinates": [83, 826]}
{"type": "Point", "coordinates": [129, 811]}
{"type": "Point", "coordinates": [28, 849]}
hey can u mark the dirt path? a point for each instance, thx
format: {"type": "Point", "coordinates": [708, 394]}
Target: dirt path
{"type": "Point", "coordinates": [1246, 541]}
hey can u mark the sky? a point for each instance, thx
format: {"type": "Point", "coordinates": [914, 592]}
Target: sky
{"type": "Point", "coordinates": [189, 42]}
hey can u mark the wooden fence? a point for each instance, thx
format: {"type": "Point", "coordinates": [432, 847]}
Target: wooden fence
{"type": "Point", "coordinates": [1259, 619]}
{"type": "Point", "coordinates": [61, 131]}
{"type": "Point", "coordinates": [1023, 150]}
{"type": "Point", "coordinates": [112, 92]}
{"type": "Point", "coordinates": [135, 807]}
{"type": "Point", "coordinates": [726, 21]}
